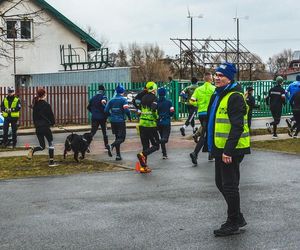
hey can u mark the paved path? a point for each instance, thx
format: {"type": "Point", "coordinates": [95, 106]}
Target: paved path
{"type": "Point", "coordinates": [177, 206]}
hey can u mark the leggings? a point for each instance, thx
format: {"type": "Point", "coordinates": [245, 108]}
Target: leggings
{"type": "Point", "coordinates": [42, 133]}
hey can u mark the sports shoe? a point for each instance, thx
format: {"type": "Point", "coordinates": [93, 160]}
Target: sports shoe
{"type": "Point", "coordinates": [269, 128]}
{"type": "Point", "coordinates": [295, 136]}
{"type": "Point", "coordinates": [226, 229]}
{"type": "Point", "coordinates": [52, 164]}
{"type": "Point", "coordinates": [288, 122]}
{"type": "Point", "coordinates": [118, 158]}
{"type": "Point", "coordinates": [165, 157]}
{"type": "Point", "coordinates": [142, 159]}
{"type": "Point", "coordinates": [275, 137]}
{"type": "Point", "coordinates": [194, 158]}
{"type": "Point", "coordinates": [30, 153]}
{"type": "Point", "coordinates": [109, 149]}
{"type": "Point", "coordinates": [182, 130]}
{"type": "Point", "coordinates": [145, 170]}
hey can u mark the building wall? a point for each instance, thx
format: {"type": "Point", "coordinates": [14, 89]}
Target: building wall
{"type": "Point", "coordinates": [42, 55]}
{"type": "Point", "coordinates": [86, 77]}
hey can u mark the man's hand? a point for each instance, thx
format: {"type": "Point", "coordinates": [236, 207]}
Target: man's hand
{"type": "Point", "coordinates": [226, 159]}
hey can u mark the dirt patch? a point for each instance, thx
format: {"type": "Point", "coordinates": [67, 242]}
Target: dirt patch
{"type": "Point", "coordinates": [20, 167]}
{"type": "Point", "coordinates": [287, 145]}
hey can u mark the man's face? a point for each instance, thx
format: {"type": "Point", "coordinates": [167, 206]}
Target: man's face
{"type": "Point", "coordinates": [221, 80]}
{"type": "Point", "coordinates": [11, 93]}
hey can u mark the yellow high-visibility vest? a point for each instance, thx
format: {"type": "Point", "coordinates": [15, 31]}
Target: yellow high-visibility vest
{"type": "Point", "coordinates": [223, 126]}
{"type": "Point", "coordinates": [15, 114]}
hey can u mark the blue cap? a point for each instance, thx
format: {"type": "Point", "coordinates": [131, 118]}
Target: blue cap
{"type": "Point", "coordinates": [228, 70]}
{"type": "Point", "coordinates": [120, 89]}
{"type": "Point", "coordinates": [162, 91]}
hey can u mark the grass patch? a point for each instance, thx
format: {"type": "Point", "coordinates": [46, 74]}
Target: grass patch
{"type": "Point", "coordinates": [20, 167]}
{"type": "Point", "coordinates": [263, 131]}
{"type": "Point", "coordinates": [287, 145]}
{"type": "Point", "coordinates": [2, 149]}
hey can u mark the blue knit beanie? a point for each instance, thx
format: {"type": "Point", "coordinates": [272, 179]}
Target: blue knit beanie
{"type": "Point", "coordinates": [227, 69]}
{"type": "Point", "coordinates": [162, 91]}
{"type": "Point", "coordinates": [120, 89]}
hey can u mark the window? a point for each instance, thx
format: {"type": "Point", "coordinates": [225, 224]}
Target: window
{"type": "Point", "coordinates": [19, 29]}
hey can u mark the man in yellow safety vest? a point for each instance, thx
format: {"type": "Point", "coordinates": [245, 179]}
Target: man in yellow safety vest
{"type": "Point", "coordinates": [10, 108]}
{"type": "Point", "coordinates": [228, 141]}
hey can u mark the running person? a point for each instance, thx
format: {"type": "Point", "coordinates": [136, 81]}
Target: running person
{"type": "Point", "coordinates": [148, 125]}
{"type": "Point", "coordinates": [43, 119]}
{"type": "Point", "coordinates": [165, 111]}
{"type": "Point", "coordinates": [117, 108]}
{"type": "Point", "coordinates": [186, 94]}
{"type": "Point", "coordinates": [96, 106]}
{"type": "Point", "coordinates": [276, 99]}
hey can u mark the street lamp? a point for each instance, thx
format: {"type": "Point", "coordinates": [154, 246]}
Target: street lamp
{"type": "Point", "coordinates": [192, 54]}
{"type": "Point", "coordinates": [236, 18]}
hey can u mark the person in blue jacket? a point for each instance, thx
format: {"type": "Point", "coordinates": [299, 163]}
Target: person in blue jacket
{"type": "Point", "coordinates": [96, 106]}
{"type": "Point", "coordinates": [292, 89]}
{"type": "Point", "coordinates": [117, 109]}
{"type": "Point", "coordinates": [165, 111]}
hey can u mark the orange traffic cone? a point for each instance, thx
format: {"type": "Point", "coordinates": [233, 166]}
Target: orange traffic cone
{"type": "Point", "coordinates": [137, 166]}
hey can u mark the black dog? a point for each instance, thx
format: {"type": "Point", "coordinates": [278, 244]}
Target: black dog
{"type": "Point", "coordinates": [78, 143]}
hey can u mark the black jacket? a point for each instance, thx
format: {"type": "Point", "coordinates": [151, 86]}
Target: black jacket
{"type": "Point", "coordinates": [42, 114]}
{"type": "Point", "coordinates": [236, 111]}
{"type": "Point", "coordinates": [276, 97]}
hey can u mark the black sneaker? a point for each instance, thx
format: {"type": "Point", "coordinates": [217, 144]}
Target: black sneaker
{"type": "Point", "coordinates": [195, 137]}
{"type": "Point", "coordinates": [165, 157]}
{"type": "Point", "coordinates": [118, 158]}
{"type": "Point", "coordinates": [227, 229]}
{"type": "Point", "coordinates": [109, 149]}
{"type": "Point", "coordinates": [182, 130]}
{"type": "Point", "coordinates": [194, 158]}
{"type": "Point", "coordinates": [288, 122]}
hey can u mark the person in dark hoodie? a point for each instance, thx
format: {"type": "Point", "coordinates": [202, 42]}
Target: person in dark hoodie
{"type": "Point", "coordinates": [117, 108]}
{"type": "Point", "coordinates": [10, 108]}
{"type": "Point", "coordinates": [228, 141]}
{"type": "Point", "coordinates": [165, 111]}
{"type": "Point", "coordinates": [276, 99]}
{"type": "Point", "coordinates": [43, 119]}
{"type": "Point", "coordinates": [96, 106]}
{"type": "Point", "coordinates": [250, 100]}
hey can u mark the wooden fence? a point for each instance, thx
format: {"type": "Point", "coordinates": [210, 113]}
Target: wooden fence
{"type": "Point", "coordinates": [68, 103]}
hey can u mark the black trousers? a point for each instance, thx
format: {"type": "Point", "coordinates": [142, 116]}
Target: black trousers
{"type": "Point", "coordinates": [276, 114]}
{"type": "Point", "coordinates": [191, 118]}
{"type": "Point", "coordinates": [149, 135]}
{"type": "Point", "coordinates": [14, 128]}
{"type": "Point", "coordinates": [164, 132]}
{"type": "Point", "coordinates": [227, 177]}
{"type": "Point", "coordinates": [119, 130]}
{"type": "Point", "coordinates": [95, 126]}
{"type": "Point", "coordinates": [200, 143]}
{"type": "Point", "coordinates": [42, 133]}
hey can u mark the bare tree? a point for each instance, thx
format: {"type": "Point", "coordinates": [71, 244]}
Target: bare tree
{"type": "Point", "coordinates": [10, 29]}
{"type": "Point", "coordinates": [280, 61]}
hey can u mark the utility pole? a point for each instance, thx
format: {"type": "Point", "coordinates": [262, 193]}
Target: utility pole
{"type": "Point", "coordinates": [14, 55]}
{"type": "Point", "coordinates": [192, 52]}
{"type": "Point", "coordinates": [237, 19]}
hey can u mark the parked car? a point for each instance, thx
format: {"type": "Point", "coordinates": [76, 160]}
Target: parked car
{"type": "Point", "coordinates": [1, 130]}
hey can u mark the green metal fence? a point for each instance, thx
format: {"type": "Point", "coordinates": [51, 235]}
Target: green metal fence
{"type": "Point", "coordinates": [174, 88]}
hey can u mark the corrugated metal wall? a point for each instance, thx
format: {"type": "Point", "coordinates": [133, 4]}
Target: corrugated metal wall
{"type": "Point", "coordinates": [85, 77]}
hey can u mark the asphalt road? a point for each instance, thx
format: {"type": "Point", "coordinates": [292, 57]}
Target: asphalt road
{"type": "Point", "coordinates": [177, 206]}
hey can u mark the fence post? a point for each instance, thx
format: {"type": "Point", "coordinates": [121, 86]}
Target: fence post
{"type": "Point", "coordinates": [176, 98]}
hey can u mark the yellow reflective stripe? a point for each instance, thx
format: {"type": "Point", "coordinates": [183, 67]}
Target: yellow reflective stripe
{"type": "Point", "coordinates": [226, 121]}
{"type": "Point", "coordinates": [225, 135]}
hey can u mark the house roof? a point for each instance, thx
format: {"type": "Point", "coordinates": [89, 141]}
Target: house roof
{"type": "Point", "coordinates": [92, 43]}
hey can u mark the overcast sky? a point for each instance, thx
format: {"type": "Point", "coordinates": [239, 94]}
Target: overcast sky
{"type": "Point", "coordinates": [273, 25]}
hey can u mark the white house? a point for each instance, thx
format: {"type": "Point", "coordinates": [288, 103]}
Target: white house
{"type": "Point", "coordinates": [44, 41]}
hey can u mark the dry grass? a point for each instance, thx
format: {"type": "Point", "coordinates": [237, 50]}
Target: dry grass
{"type": "Point", "coordinates": [20, 167]}
{"type": "Point", "coordinates": [287, 145]}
